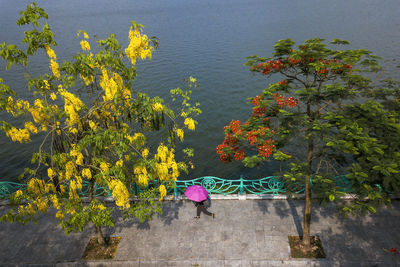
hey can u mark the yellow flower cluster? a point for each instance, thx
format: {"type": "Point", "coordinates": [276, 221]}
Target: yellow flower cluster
{"type": "Point", "coordinates": [46, 85]}
{"type": "Point", "coordinates": [60, 215]}
{"type": "Point", "coordinates": [138, 46]}
{"type": "Point", "coordinates": [69, 170]}
{"type": "Point", "coordinates": [41, 204]}
{"type": "Point", "coordinates": [163, 192]}
{"type": "Point", "coordinates": [71, 211]}
{"type": "Point", "coordinates": [50, 188]}
{"type": "Point", "coordinates": [138, 138]}
{"type": "Point", "coordinates": [98, 207]}
{"type": "Point", "coordinates": [179, 133]}
{"type": "Point", "coordinates": [72, 106]}
{"type": "Point", "coordinates": [87, 173]}
{"type": "Point", "coordinates": [39, 114]}
{"type": "Point", "coordinates": [36, 186]}
{"type": "Point", "coordinates": [87, 79]}
{"type": "Point", "coordinates": [189, 122]}
{"type": "Point", "coordinates": [28, 209]}
{"type": "Point", "coordinates": [18, 193]}
{"type": "Point", "coordinates": [31, 127]}
{"type": "Point", "coordinates": [126, 95]}
{"type": "Point", "coordinates": [20, 135]}
{"type": "Point", "coordinates": [77, 155]}
{"type": "Point", "coordinates": [12, 107]}
{"type": "Point", "coordinates": [55, 68]}
{"type": "Point", "coordinates": [85, 45]}
{"type": "Point", "coordinates": [142, 175]}
{"type": "Point", "coordinates": [110, 85]}
{"type": "Point", "coordinates": [120, 193]}
{"type": "Point", "coordinates": [119, 163]}
{"type": "Point", "coordinates": [51, 173]}
{"type": "Point", "coordinates": [75, 185]}
{"type": "Point", "coordinates": [54, 201]}
{"type": "Point", "coordinates": [53, 96]}
{"type": "Point", "coordinates": [104, 166]}
{"type": "Point", "coordinates": [157, 107]}
{"type": "Point", "coordinates": [50, 52]}
{"type": "Point", "coordinates": [92, 125]}
{"type": "Point", "coordinates": [166, 166]}
{"type": "Point", "coordinates": [145, 153]}
{"type": "Point", "coordinates": [53, 63]}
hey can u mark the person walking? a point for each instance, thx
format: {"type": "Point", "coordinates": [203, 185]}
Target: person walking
{"type": "Point", "coordinates": [199, 195]}
{"type": "Point", "coordinates": [201, 207]}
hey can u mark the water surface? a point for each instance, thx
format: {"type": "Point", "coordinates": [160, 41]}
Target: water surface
{"type": "Point", "coordinates": [209, 40]}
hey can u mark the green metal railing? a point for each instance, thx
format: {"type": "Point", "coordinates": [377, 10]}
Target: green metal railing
{"type": "Point", "coordinates": [214, 185]}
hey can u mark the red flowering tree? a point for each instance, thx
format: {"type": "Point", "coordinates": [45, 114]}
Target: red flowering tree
{"type": "Point", "coordinates": [316, 121]}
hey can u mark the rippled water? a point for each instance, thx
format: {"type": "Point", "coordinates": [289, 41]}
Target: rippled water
{"type": "Point", "coordinates": [209, 40]}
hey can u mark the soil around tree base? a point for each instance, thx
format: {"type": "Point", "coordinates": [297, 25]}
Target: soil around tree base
{"type": "Point", "coordinates": [95, 251]}
{"type": "Point", "coordinates": [297, 249]}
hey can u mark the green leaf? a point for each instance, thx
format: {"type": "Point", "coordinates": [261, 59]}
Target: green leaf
{"type": "Point", "coordinates": [371, 209]}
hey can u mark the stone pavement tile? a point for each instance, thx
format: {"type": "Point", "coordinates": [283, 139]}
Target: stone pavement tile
{"type": "Point", "coordinates": [278, 230]}
{"type": "Point", "coordinates": [276, 247]}
{"type": "Point", "coordinates": [49, 253]}
{"type": "Point", "coordinates": [9, 251]}
{"type": "Point", "coordinates": [260, 237]}
{"type": "Point", "coordinates": [127, 251]}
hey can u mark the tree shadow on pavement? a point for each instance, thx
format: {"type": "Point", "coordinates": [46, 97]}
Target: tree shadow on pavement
{"type": "Point", "coordinates": [284, 209]}
{"type": "Point", "coordinates": [170, 212]}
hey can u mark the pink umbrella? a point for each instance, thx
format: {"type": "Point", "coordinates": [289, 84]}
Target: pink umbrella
{"type": "Point", "coordinates": [196, 193]}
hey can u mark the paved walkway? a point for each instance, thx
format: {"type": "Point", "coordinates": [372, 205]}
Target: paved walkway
{"type": "Point", "coordinates": [244, 233]}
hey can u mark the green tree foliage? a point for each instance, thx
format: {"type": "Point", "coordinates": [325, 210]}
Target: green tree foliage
{"type": "Point", "coordinates": [325, 118]}
{"type": "Point", "coordinates": [97, 139]}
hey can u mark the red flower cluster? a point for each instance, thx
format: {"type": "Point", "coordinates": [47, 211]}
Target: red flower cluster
{"type": "Point", "coordinates": [259, 112]}
{"type": "Point", "coordinates": [348, 66]}
{"type": "Point", "coordinates": [266, 148]}
{"type": "Point", "coordinates": [337, 69]}
{"type": "Point", "coordinates": [290, 102]}
{"type": "Point", "coordinates": [293, 61]}
{"type": "Point", "coordinates": [256, 100]}
{"type": "Point", "coordinates": [235, 127]}
{"type": "Point", "coordinates": [252, 136]}
{"type": "Point", "coordinates": [227, 147]}
{"type": "Point", "coordinates": [235, 133]}
{"type": "Point", "coordinates": [268, 66]}
{"type": "Point", "coordinates": [279, 100]}
{"type": "Point", "coordinates": [394, 251]}
{"type": "Point", "coordinates": [323, 71]}
{"type": "Point", "coordinates": [284, 82]}
{"type": "Point", "coordinates": [239, 155]}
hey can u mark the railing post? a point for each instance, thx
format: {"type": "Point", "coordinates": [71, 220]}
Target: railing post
{"type": "Point", "coordinates": [176, 191]}
{"type": "Point", "coordinates": [242, 194]}
{"type": "Point", "coordinates": [241, 187]}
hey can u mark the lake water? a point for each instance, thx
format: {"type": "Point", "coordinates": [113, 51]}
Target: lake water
{"type": "Point", "coordinates": [209, 40]}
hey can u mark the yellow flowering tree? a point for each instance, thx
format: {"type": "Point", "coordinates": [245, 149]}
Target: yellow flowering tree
{"type": "Point", "coordinates": [99, 138]}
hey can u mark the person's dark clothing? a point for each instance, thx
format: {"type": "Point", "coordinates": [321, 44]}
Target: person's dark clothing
{"type": "Point", "coordinates": [201, 208]}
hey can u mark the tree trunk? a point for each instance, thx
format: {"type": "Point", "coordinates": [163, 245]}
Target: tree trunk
{"type": "Point", "coordinates": [307, 213]}
{"type": "Point", "coordinates": [92, 184]}
{"type": "Point", "coordinates": [307, 189]}
{"type": "Point", "coordinates": [100, 238]}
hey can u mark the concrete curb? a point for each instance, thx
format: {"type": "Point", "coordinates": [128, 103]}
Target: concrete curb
{"type": "Point", "coordinates": [213, 263]}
